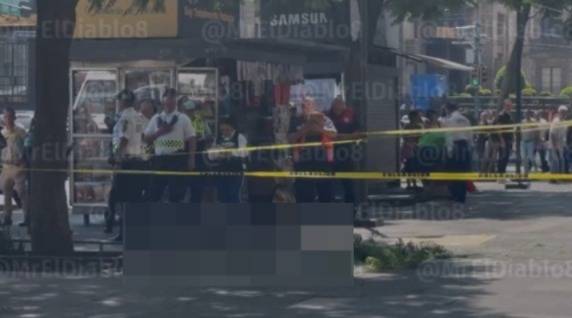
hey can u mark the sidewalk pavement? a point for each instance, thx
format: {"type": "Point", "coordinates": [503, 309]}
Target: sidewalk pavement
{"type": "Point", "coordinates": [513, 260]}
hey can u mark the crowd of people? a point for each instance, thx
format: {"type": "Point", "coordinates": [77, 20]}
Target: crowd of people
{"type": "Point", "coordinates": [179, 140]}
{"type": "Point", "coordinates": [546, 141]}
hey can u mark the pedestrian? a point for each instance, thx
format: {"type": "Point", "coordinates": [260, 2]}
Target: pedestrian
{"type": "Point", "coordinates": [558, 133]}
{"type": "Point", "coordinates": [459, 150]}
{"type": "Point", "coordinates": [346, 124]}
{"type": "Point", "coordinates": [204, 137]}
{"type": "Point", "coordinates": [431, 147]}
{"type": "Point", "coordinates": [230, 155]}
{"type": "Point", "coordinates": [568, 150]}
{"type": "Point", "coordinates": [313, 127]}
{"type": "Point", "coordinates": [530, 141]}
{"type": "Point", "coordinates": [13, 176]}
{"type": "Point", "coordinates": [492, 146]}
{"type": "Point", "coordinates": [147, 109]}
{"type": "Point", "coordinates": [482, 139]}
{"type": "Point", "coordinates": [409, 147]}
{"type": "Point", "coordinates": [506, 138]}
{"type": "Point", "coordinates": [544, 137]}
{"type": "Point", "coordinates": [128, 156]}
{"type": "Point", "coordinates": [171, 134]}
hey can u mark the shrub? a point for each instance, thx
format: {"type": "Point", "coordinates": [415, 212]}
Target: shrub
{"type": "Point", "coordinates": [471, 90]}
{"type": "Point", "coordinates": [545, 94]}
{"type": "Point", "coordinates": [529, 91]}
{"type": "Point", "coordinates": [377, 257]}
{"type": "Point", "coordinates": [566, 92]}
{"type": "Point", "coordinates": [501, 75]}
{"type": "Point", "coordinates": [485, 92]}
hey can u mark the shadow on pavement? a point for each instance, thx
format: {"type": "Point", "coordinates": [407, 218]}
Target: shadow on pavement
{"type": "Point", "coordinates": [446, 289]}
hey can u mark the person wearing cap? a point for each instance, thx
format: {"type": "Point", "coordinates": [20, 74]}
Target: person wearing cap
{"type": "Point", "coordinates": [173, 137]}
{"type": "Point", "coordinates": [204, 137]}
{"type": "Point", "coordinates": [127, 154]}
{"type": "Point", "coordinates": [557, 140]}
{"type": "Point", "coordinates": [459, 150]}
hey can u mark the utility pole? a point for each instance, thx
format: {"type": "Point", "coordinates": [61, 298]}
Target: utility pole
{"type": "Point", "coordinates": [478, 58]}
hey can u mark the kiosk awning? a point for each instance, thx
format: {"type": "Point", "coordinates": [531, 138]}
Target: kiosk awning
{"type": "Point", "coordinates": [432, 60]}
{"type": "Point", "coordinates": [280, 51]}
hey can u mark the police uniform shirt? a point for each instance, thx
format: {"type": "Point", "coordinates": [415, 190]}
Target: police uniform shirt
{"type": "Point", "coordinates": [237, 141]}
{"type": "Point", "coordinates": [457, 120]}
{"type": "Point", "coordinates": [130, 126]}
{"type": "Point", "coordinates": [175, 140]}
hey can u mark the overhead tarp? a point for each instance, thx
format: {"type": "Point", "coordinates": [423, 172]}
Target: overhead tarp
{"type": "Point", "coordinates": [432, 60]}
{"type": "Point", "coordinates": [270, 51]}
{"type": "Point", "coordinates": [443, 63]}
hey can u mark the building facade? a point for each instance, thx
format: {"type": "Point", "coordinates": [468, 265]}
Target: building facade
{"type": "Point", "coordinates": [453, 38]}
{"type": "Point", "coordinates": [548, 54]}
{"type": "Point", "coordinates": [17, 34]}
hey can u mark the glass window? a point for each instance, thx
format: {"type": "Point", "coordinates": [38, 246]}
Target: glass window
{"type": "Point", "coordinates": [501, 22]}
{"type": "Point", "coordinates": [94, 105]}
{"type": "Point", "coordinates": [556, 80]}
{"type": "Point", "coordinates": [93, 116]}
{"type": "Point", "coordinates": [552, 79]}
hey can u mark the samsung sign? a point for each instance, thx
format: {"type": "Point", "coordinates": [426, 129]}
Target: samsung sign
{"type": "Point", "coordinates": [310, 20]}
{"type": "Point", "coordinates": [299, 19]}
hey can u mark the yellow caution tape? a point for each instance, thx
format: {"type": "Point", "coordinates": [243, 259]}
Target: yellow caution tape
{"type": "Point", "coordinates": [369, 176]}
{"type": "Point", "coordinates": [483, 129]}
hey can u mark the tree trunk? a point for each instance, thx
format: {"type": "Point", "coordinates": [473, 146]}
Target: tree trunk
{"type": "Point", "coordinates": [50, 231]}
{"type": "Point", "coordinates": [509, 83]}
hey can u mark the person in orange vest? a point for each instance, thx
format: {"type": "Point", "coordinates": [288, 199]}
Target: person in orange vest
{"type": "Point", "coordinates": [313, 127]}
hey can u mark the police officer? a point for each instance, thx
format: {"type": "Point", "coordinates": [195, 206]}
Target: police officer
{"type": "Point", "coordinates": [229, 155]}
{"type": "Point", "coordinates": [204, 137]}
{"type": "Point", "coordinates": [127, 155]}
{"type": "Point", "coordinates": [173, 137]}
{"type": "Point", "coordinates": [459, 150]}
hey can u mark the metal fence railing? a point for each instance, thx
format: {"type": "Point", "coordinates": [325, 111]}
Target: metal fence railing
{"type": "Point", "coordinates": [16, 67]}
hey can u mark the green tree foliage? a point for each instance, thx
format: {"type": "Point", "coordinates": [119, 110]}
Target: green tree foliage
{"type": "Point", "coordinates": [566, 92]}
{"type": "Point", "coordinates": [403, 9]}
{"type": "Point", "coordinates": [501, 77]}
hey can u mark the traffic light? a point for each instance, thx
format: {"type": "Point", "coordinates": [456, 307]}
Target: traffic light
{"type": "Point", "coordinates": [475, 78]}
{"type": "Point", "coordinates": [484, 74]}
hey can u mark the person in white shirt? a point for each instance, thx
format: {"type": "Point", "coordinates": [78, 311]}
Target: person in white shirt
{"type": "Point", "coordinates": [544, 135]}
{"type": "Point", "coordinates": [229, 155]}
{"type": "Point", "coordinates": [459, 149]}
{"type": "Point", "coordinates": [128, 155]}
{"type": "Point", "coordinates": [530, 141]}
{"type": "Point", "coordinates": [557, 140]}
{"type": "Point", "coordinates": [173, 137]}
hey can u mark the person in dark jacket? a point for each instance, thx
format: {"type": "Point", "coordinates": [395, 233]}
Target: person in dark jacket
{"type": "Point", "coordinates": [229, 156]}
{"type": "Point", "coordinates": [507, 138]}
{"type": "Point", "coordinates": [346, 124]}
